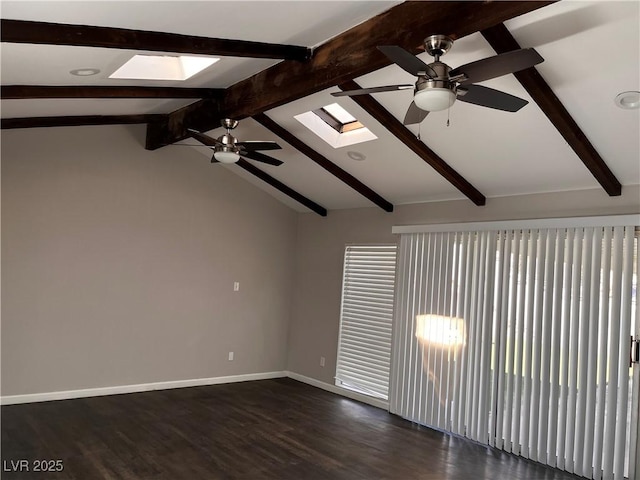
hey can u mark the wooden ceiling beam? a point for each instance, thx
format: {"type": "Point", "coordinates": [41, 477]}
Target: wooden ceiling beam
{"type": "Point", "coordinates": [277, 184]}
{"type": "Point", "coordinates": [23, 31]}
{"type": "Point", "coordinates": [502, 41]}
{"type": "Point", "coordinates": [324, 162]}
{"type": "Point", "coordinates": [76, 121]}
{"type": "Point", "coordinates": [406, 136]}
{"type": "Point", "coordinates": [199, 118]}
{"type": "Point", "coordinates": [347, 56]}
{"type": "Point", "coordinates": [84, 91]}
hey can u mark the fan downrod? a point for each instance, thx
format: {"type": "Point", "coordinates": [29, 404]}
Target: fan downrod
{"type": "Point", "coordinates": [437, 45]}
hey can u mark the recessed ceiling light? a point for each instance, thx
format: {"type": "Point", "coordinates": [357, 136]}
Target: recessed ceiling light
{"type": "Point", "coordinates": [356, 155]}
{"type": "Point", "coordinates": [162, 67]}
{"type": "Point", "coordinates": [84, 72]}
{"type": "Point", "coordinates": [628, 100]}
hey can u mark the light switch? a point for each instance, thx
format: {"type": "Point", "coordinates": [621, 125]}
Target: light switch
{"type": "Point", "coordinates": [236, 286]}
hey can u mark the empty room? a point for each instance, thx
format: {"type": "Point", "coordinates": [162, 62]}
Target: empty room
{"type": "Point", "coordinates": [242, 240]}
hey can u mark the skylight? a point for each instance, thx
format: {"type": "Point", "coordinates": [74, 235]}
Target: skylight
{"type": "Point", "coordinates": [335, 126]}
{"type": "Point", "coordinates": [162, 67]}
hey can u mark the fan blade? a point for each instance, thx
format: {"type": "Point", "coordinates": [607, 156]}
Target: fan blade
{"type": "Point", "coordinates": [414, 115]}
{"type": "Point", "coordinates": [261, 157]}
{"type": "Point", "coordinates": [252, 146]}
{"type": "Point", "coordinates": [202, 138]}
{"type": "Point", "coordinates": [497, 65]}
{"type": "Point", "coordinates": [488, 97]}
{"type": "Point", "coordinates": [364, 91]}
{"type": "Point", "coordinates": [407, 61]}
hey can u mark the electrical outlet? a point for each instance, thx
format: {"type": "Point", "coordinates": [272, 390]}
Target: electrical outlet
{"type": "Point", "coordinates": [236, 286]}
{"type": "Point", "coordinates": [230, 356]}
{"type": "Point", "coordinates": [322, 361]}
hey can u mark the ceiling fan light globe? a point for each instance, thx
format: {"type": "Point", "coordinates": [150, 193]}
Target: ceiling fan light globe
{"type": "Point", "coordinates": [434, 99]}
{"type": "Point", "coordinates": [226, 157]}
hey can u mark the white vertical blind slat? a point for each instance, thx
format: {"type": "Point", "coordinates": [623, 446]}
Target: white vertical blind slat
{"type": "Point", "coordinates": [518, 370]}
{"type": "Point", "coordinates": [601, 371]}
{"type": "Point", "coordinates": [582, 359]}
{"type": "Point", "coordinates": [614, 352]}
{"type": "Point", "coordinates": [511, 344]}
{"type": "Point", "coordinates": [476, 329]}
{"type": "Point", "coordinates": [545, 403]}
{"type": "Point", "coordinates": [461, 367]}
{"type": "Point", "coordinates": [622, 361]}
{"type": "Point", "coordinates": [486, 314]}
{"type": "Point", "coordinates": [501, 312]}
{"type": "Point", "coordinates": [574, 330]}
{"type": "Point", "coordinates": [554, 367]}
{"type": "Point", "coordinates": [591, 301]}
{"type": "Point", "coordinates": [413, 299]}
{"type": "Point", "coordinates": [565, 341]}
{"type": "Point", "coordinates": [537, 343]}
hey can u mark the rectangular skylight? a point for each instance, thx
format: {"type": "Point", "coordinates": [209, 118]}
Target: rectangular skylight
{"type": "Point", "coordinates": [339, 113]}
{"type": "Point", "coordinates": [335, 126]}
{"type": "Point", "coordinates": [163, 67]}
{"type": "Point", "coordinates": [338, 118]}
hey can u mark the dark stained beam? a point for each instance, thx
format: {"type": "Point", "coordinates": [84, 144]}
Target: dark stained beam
{"type": "Point", "coordinates": [406, 136]}
{"type": "Point", "coordinates": [502, 41]}
{"type": "Point", "coordinates": [22, 31]}
{"type": "Point", "coordinates": [83, 91]}
{"type": "Point", "coordinates": [324, 162]}
{"type": "Point", "coordinates": [262, 175]}
{"type": "Point", "coordinates": [347, 56]}
{"type": "Point", "coordinates": [201, 116]}
{"type": "Point", "coordinates": [75, 121]}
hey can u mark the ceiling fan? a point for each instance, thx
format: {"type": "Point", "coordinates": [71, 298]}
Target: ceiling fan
{"type": "Point", "coordinates": [438, 85]}
{"type": "Point", "coordinates": [227, 148]}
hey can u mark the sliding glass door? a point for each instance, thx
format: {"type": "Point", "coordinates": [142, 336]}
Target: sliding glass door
{"type": "Point", "coordinates": [520, 338]}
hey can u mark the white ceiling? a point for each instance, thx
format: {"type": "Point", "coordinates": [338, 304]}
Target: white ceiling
{"type": "Point", "coordinates": [591, 52]}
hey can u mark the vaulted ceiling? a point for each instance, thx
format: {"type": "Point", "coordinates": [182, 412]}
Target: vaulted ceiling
{"type": "Point", "coordinates": [280, 59]}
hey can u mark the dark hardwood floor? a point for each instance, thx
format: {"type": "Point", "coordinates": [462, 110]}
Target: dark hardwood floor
{"type": "Point", "coordinates": [272, 429]}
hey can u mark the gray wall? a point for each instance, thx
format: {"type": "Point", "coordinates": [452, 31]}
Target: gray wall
{"type": "Point", "coordinates": [118, 264]}
{"type": "Point", "coordinates": [320, 250]}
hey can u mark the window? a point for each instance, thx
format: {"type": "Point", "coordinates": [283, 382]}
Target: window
{"type": "Point", "coordinates": [364, 347]}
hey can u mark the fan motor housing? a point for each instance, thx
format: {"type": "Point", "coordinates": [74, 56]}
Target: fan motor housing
{"type": "Point", "coordinates": [226, 143]}
{"type": "Point", "coordinates": [440, 81]}
{"type": "Point", "coordinates": [227, 140]}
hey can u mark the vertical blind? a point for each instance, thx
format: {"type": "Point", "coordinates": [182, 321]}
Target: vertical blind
{"type": "Point", "coordinates": [519, 339]}
{"type": "Point", "coordinates": [364, 347]}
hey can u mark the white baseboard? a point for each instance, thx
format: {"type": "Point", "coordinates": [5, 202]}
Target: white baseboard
{"type": "Point", "coordinates": [143, 387]}
{"type": "Point", "coordinates": [376, 402]}
{"type": "Point", "coordinates": [196, 382]}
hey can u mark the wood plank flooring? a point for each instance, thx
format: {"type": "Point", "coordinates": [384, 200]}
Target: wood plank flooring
{"type": "Point", "coordinates": [264, 430]}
